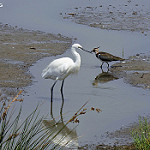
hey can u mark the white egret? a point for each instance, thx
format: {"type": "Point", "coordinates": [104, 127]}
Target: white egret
{"type": "Point", "coordinates": [60, 68]}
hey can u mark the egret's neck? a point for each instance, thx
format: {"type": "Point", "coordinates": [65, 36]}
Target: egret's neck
{"type": "Point", "coordinates": [77, 57]}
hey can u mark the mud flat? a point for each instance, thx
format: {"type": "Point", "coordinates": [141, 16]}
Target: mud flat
{"type": "Point", "coordinates": [135, 70]}
{"type": "Point", "coordinates": [21, 48]}
{"type": "Point", "coordinates": [128, 15]}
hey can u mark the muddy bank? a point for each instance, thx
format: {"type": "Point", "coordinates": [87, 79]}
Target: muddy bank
{"type": "Point", "coordinates": [135, 70]}
{"type": "Point", "coordinates": [19, 49]}
{"type": "Point", "coordinates": [107, 147]}
{"type": "Point", "coordinates": [128, 15]}
{"type": "Point", "coordinates": [121, 138]}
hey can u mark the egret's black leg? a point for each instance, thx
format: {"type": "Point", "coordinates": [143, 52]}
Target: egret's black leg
{"type": "Point", "coordinates": [62, 95]}
{"type": "Point", "coordinates": [62, 85]}
{"type": "Point", "coordinates": [61, 110]}
{"type": "Point", "coordinates": [52, 90]}
{"type": "Point", "coordinates": [52, 98]}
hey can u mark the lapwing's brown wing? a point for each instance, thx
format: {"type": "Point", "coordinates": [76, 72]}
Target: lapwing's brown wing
{"type": "Point", "coordinates": [108, 57]}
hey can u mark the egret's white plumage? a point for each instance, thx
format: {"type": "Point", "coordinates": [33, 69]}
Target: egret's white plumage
{"type": "Point", "coordinates": [60, 68]}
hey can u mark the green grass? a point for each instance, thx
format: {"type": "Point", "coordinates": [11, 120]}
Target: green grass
{"type": "Point", "coordinates": [141, 135]}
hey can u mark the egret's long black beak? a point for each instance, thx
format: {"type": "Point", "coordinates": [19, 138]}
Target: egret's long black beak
{"type": "Point", "coordinates": [85, 50]}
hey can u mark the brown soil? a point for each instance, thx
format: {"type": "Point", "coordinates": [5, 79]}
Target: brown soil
{"type": "Point", "coordinates": [135, 70]}
{"type": "Point", "coordinates": [129, 16]}
{"type": "Point", "coordinates": [19, 49]}
{"type": "Point", "coordinates": [122, 147]}
{"type": "Point", "coordinates": [122, 138]}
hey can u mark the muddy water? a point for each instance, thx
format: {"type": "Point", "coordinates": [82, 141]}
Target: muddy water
{"type": "Point", "coordinates": [120, 103]}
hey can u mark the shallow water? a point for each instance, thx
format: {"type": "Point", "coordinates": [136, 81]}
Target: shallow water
{"type": "Point", "coordinates": [120, 103]}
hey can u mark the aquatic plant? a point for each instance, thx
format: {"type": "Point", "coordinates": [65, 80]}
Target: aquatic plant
{"type": "Point", "coordinates": [27, 134]}
{"type": "Point", "coordinates": [141, 135]}
{"type": "Point", "coordinates": [20, 135]}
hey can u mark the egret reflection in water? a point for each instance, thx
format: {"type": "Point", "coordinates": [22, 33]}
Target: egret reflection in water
{"type": "Point", "coordinates": [60, 134]}
{"type": "Point", "coordinates": [104, 77]}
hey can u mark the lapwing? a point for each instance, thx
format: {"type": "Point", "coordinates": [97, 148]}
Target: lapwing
{"type": "Point", "coordinates": [105, 57]}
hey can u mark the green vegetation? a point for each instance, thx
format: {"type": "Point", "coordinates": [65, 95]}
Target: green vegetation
{"type": "Point", "coordinates": [141, 135]}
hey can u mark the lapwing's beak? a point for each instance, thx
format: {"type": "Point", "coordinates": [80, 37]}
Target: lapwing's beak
{"type": "Point", "coordinates": [94, 49]}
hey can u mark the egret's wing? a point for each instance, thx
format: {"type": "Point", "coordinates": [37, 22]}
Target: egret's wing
{"type": "Point", "coordinates": [65, 69]}
{"type": "Point", "coordinates": [58, 68]}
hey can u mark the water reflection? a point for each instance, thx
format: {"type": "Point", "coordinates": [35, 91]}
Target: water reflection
{"type": "Point", "coordinates": [104, 77]}
{"type": "Point", "coordinates": [65, 137]}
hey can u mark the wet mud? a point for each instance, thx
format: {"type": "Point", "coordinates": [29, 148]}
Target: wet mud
{"type": "Point", "coordinates": [128, 16]}
{"type": "Point", "coordinates": [121, 138]}
{"type": "Point", "coordinates": [21, 48]}
{"type": "Point", "coordinates": [135, 70]}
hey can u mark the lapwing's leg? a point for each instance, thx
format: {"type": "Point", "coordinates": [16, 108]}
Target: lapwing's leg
{"type": "Point", "coordinates": [107, 64]}
{"type": "Point", "coordinates": [102, 64]}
